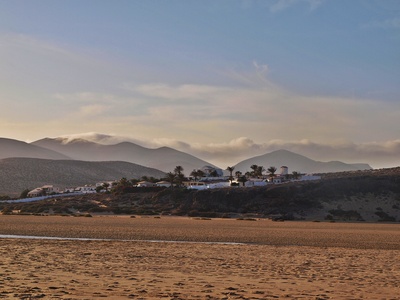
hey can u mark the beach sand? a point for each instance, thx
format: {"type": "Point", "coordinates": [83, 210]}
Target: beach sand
{"type": "Point", "coordinates": [215, 259]}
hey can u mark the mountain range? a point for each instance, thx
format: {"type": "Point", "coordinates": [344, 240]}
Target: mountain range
{"type": "Point", "coordinates": [14, 148]}
{"type": "Point", "coordinates": [71, 156]}
{"type": "Point", "coordinates": [164, 158]}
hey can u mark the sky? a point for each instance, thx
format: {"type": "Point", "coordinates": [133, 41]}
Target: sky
{"type": "Point", "coordinates": [224, 80]}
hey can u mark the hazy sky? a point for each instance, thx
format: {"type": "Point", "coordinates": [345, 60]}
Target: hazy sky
{"type": "Point", "coordinates": [224, 80]}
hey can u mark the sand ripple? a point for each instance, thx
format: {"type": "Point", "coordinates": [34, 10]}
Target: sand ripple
{"type": "Point", "coordinates": [69, 269]}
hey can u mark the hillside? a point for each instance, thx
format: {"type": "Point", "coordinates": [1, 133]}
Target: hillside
{"type": "Point", "coordinates": [164, 158]}
{"type": "Point", "coordinates": [17, 174]}
{"type": "Point", "coordinates": [367, 196]}
{"type": "Point", "coordinates": [14, 148]}
{"type": "Point", "coordinates": [297, 162]}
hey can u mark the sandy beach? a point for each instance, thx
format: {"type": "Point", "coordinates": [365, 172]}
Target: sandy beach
{"type": "Point", "coordinates": [183, 258]}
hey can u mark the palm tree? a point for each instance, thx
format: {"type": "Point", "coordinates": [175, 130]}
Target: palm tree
{"type": "Point", "coordinates": [238, 174]}
{"type": "Point", "coordinates": [106, 185]}
{"type": "Point", "coordinates": [295, 175]}
{"type": "Point", "coordinates": [194, 174]}
{"type": "Point", "coordinates": [171, 178]}
{"type": "Point", "coordinates": [242, 179]}
{"type": "Point", "coordinates": [254, 168]}
{"type": "Point", "coordinates": [214, 173]}
{"type": "Point", "coordinates": [179, 176]}
{"type": "Point", "coordinates": [272, 171]}
{"type": "Point", "coordinates": [200, 173]}
{"type": "Point", "coordinates": [230, 169]}
{"type": "Point", "coordinates": [260, 170]}
{"type": "Point", "coordinates": [178, 170]}
{"type": "Point", "coordinates": [197, 174]}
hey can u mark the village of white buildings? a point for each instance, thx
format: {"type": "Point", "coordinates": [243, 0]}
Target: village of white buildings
{"type": "Point", "coordinates": [205, 178]}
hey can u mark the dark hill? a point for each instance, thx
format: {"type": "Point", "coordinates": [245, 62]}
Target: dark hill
{"type": "Point", "coordinates": [14, 148]}
{"type": "Point", "coordinates": [17, 174]}
{"type": "Point", "coordinates": [355, 196]}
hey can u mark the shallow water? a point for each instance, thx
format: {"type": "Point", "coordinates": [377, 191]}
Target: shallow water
{"type": "Point", "coordinates": [13, 236]}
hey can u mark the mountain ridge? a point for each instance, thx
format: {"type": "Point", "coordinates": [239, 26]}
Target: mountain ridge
{"type": "Point", "coordinates": [16, 148]}
{"type": "Point", "coordinates": [296, 162]}
{"type": "Point", "coordinates": [163, 158]}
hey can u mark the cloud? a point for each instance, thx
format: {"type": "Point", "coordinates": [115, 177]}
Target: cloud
{"type": "Point", "coordinates": [180, 92]}
{"type": "Point", "coordinates": [87, 97]}
{"type": "Point", "coordinates": [250, 107]}
{"type": "Point", "coordinates": [104, 139]}
{"type": "Point", "coordinates": [281, 5]}
{"type": "Point", "coordinates": [261, 71]}
{"type": "Point", "coordinates": [232, 111]}
{"type": "Point", "coordinates": [393, 23]}
{"type": "Point", "coordinates": [29, 43]}
{"type": "Point", "coordinates": [92, 110]}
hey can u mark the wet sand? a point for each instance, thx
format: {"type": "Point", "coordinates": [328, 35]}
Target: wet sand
{"type": "Point", "coordinates": [289, 260]}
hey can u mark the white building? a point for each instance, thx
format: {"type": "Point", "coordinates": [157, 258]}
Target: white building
{"type": "Point", "coordinates": [163, 183]}
{"type": "Point", "coordinates": [284, 171]}
{"type": "Point", "coordinates": [44, 190]}
{"type": "Point", "coordinates": [145, 184]}
{"type": "Point", "coordinates": [87, 189]}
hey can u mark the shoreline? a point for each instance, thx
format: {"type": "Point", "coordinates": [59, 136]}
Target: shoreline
{"type": "Point", "coordinates": [185, 229]}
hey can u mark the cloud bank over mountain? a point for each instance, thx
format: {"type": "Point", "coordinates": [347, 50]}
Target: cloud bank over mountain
{"type": "Point", "coordinates": [378, 155]}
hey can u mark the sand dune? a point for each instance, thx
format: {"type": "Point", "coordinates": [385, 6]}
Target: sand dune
{"type": "Point", "coordinates": [349, 263]}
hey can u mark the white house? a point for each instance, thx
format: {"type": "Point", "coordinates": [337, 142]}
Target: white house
{"type": "Point", "coordinates": [36, 192]}
{"type": "Point", "coordinates": [163, 183]}
{"type": "Point", "coordinates": [145, 184]}
{"type": "Point", "coordinates": [44, 190]}
{"type": "Point", "coordinates": [196, 185]}
{"type": "Point", "coordinates": [277, 180]}
{"type": "Point", "coordinates": [87, 189]}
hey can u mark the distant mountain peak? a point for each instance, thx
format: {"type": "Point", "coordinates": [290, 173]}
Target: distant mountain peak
{"type": "Point", "coordinates": [297, 162]}
{"type": "Point", "coordinates": [164, 158]}
{"type": "Point", "coordinates": [14, 148]}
